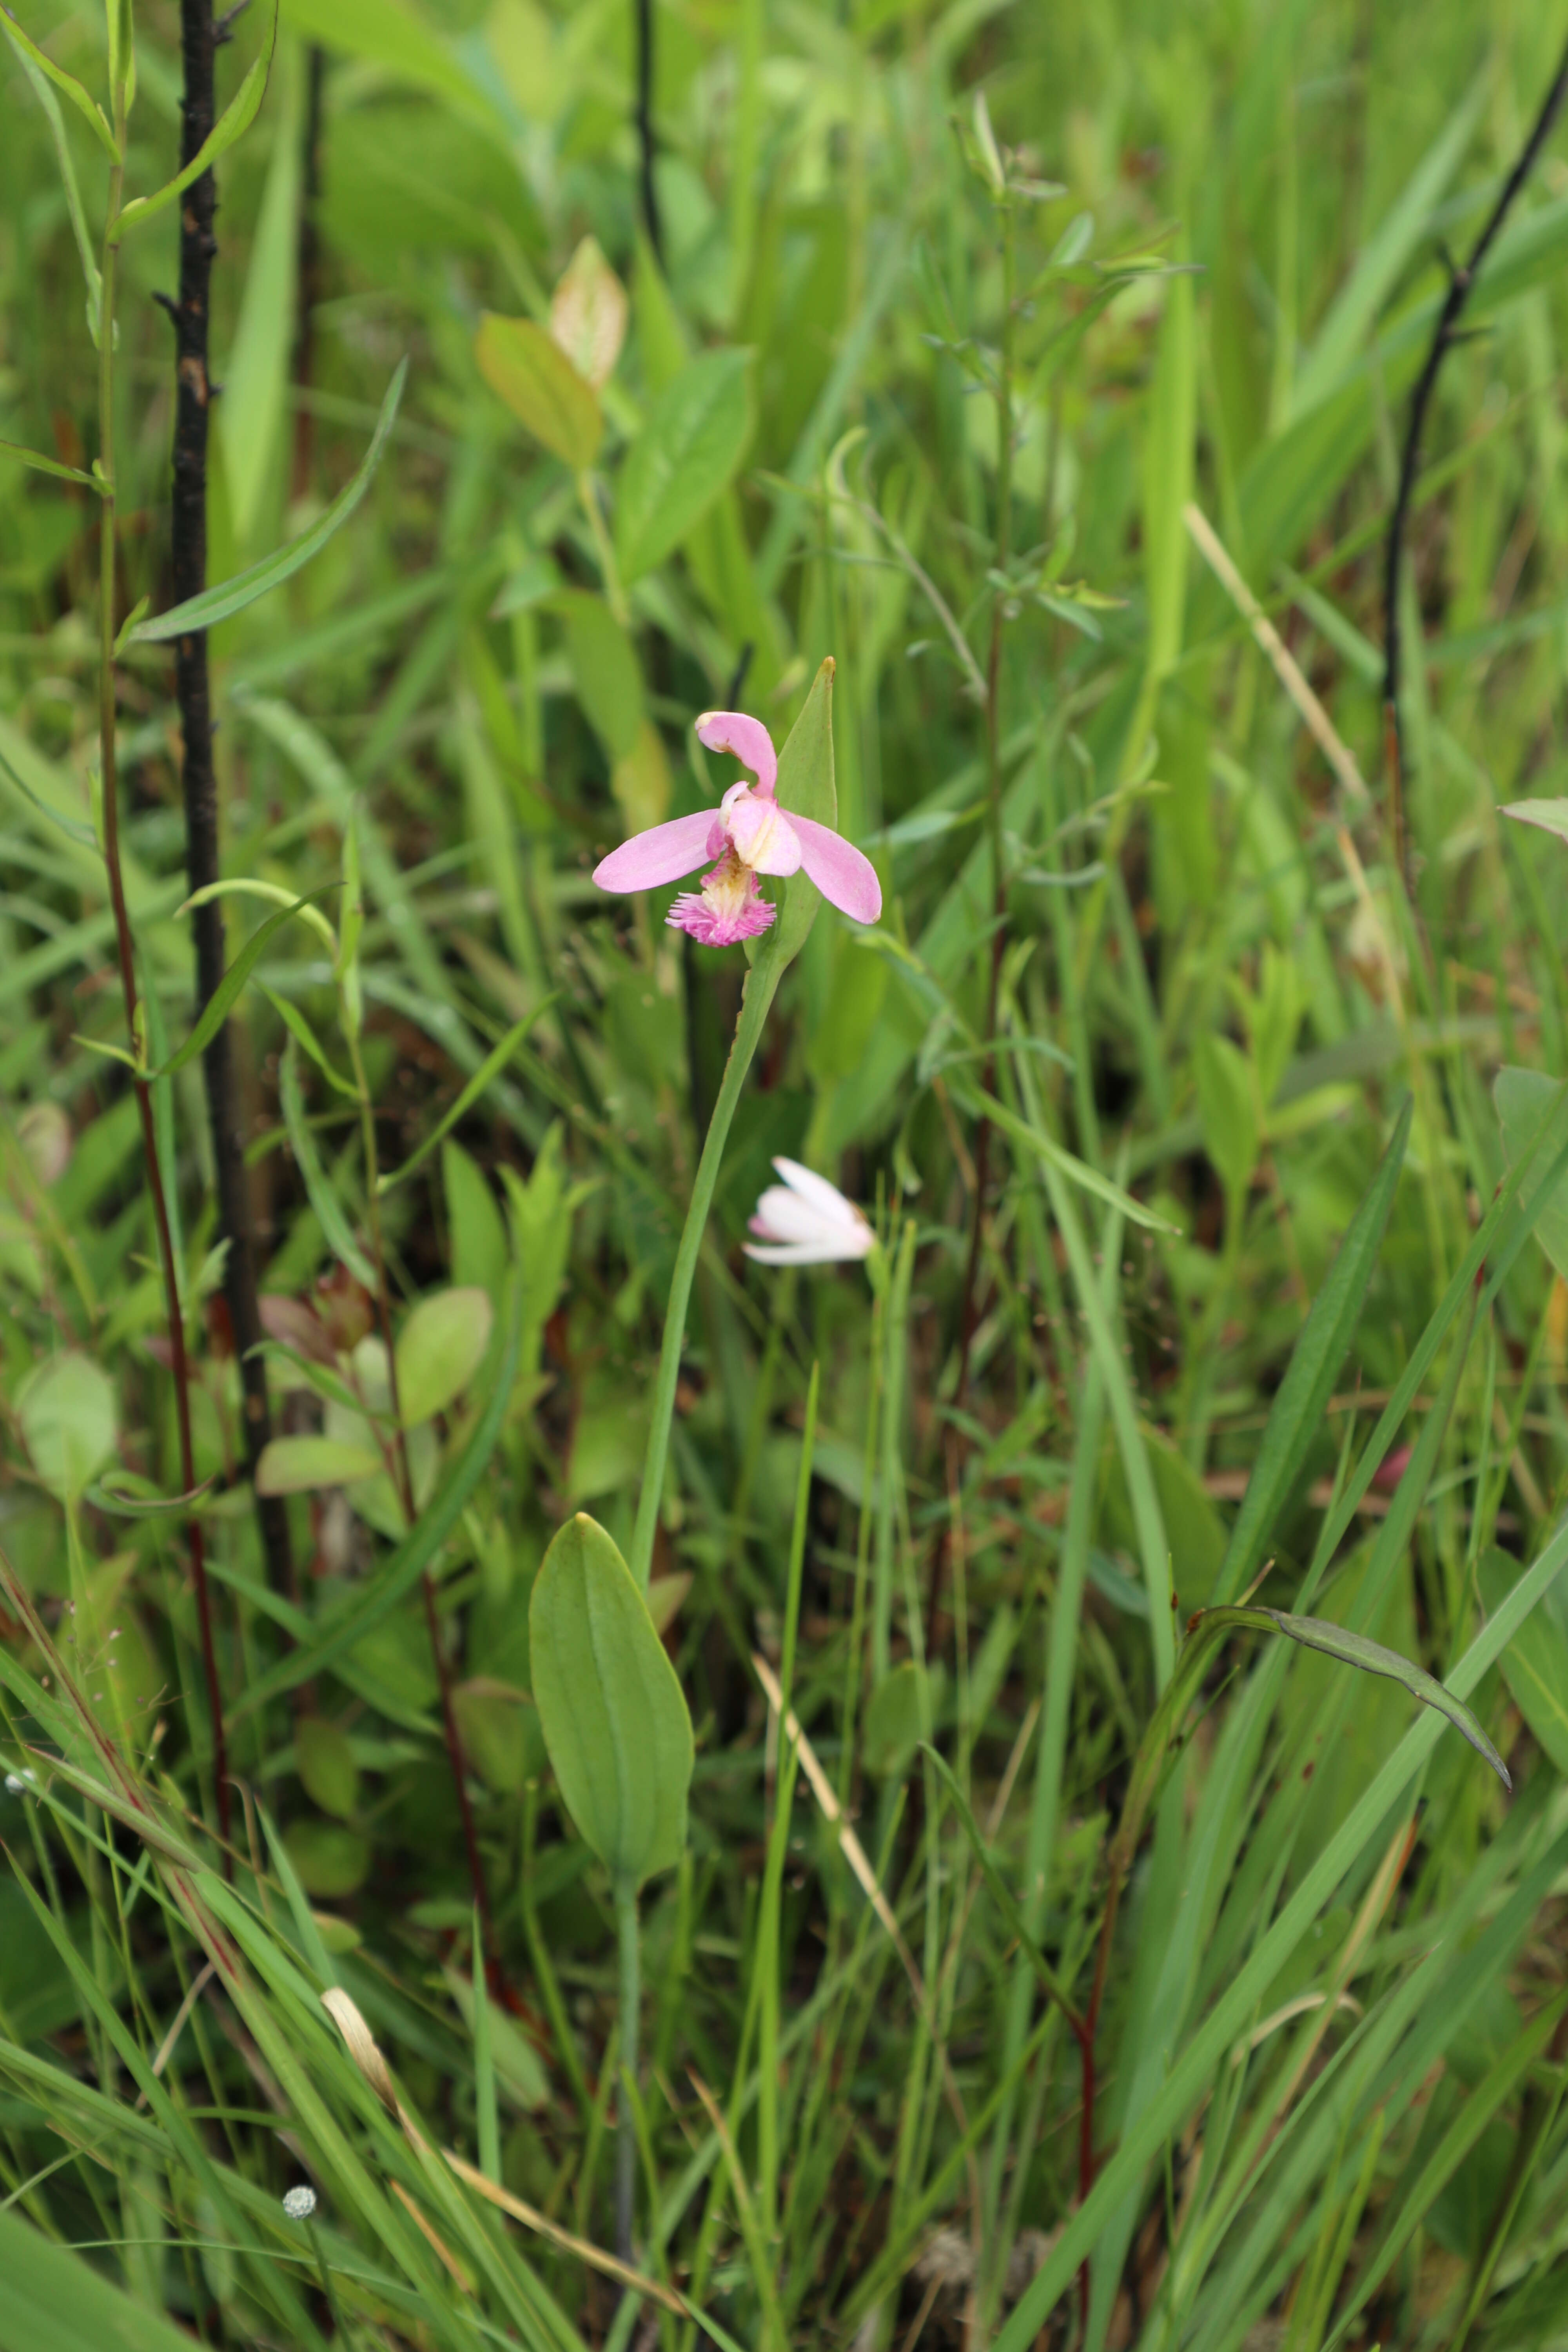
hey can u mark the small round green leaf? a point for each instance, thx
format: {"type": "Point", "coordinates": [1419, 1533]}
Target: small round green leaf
{"type": "Point", "coordinates": [297, 1466]}
{"type": "Point", "coordinates": [331, 1860]}
{"type": "Point", "coordinates": [439, 1350]}
{"type": "Point", "coordinates": [615, 1720]}
{"type": "Point", "coordinates": [325, 1763]}
{"type": "Point", "coordinates": [67, 1413]}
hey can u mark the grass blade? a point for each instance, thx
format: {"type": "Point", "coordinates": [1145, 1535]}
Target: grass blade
{"type": "Point", "coordinates": [231, 596]}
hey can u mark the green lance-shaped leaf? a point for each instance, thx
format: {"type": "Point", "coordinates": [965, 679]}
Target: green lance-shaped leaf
{"type": "Point", "coordinates": [91, 113]}
{"type": "Point", "coordinates": [232, 123]}
{"type": "Point", "coordinates": [329, 1209]}
{"type": "Point", "coordinates": [491, 1068]}
{"type": "Point", "coordinates": [231, 596]}
{"type": "Point", "coordinates": [615, 1720]}
{"type": "Point", "coordinates": [215, 1011]}
{"type": "Point", "coordinates": [1355, 1650]}
{"type": "Point", "coordinates": [42, 465]}
{"type": "Point", "coordinates": [528, 369]}
{"type": "Point", "coordinates": [686, 454]}
{"type": "Point", "coordinates": [1207, 1631]}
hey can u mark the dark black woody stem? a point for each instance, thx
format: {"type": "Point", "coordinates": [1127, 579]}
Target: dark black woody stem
{"type": "Point", "coordinates": [644, 9]}
{"type": "Point", "coordinates": [199, 39]}
{"type": "Point", "coordinates": [308, 287]}
{"type": "Point", "coordinates": [1461, 285]}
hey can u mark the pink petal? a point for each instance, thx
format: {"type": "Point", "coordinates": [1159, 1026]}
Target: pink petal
{"type": "Point", "coordinates": [763, 837]}
{"type": "Point", "coordinates": [842, 873]}
{"type": "Point", "coordinates": [830, 1204]}
{"type": "Point", "coordinates": [748, 739]}
{"type": "Point", "coordinates": [663, 854]}
{"type": "Point", "coordinates": [781, 1217]}
{"type": "Point", "coordinates": [799, 1252]}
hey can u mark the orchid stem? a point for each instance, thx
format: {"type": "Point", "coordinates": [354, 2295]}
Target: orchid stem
{"type": "Point", "coordinates": [761, 982]}
{"type": "Point", "coordinates": [614, 594]}
{"type": "Point", "coordinates": [630, 2006]}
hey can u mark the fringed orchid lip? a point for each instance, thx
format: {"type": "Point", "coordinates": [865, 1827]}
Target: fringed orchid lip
{"type": "Point", "coordinates": [749, 835]}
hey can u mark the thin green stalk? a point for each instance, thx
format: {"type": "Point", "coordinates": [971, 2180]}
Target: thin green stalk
{"type": "Point", "coordinates": [969, 1310]}
{"type": "Point", "coordinates": [761, 982]}
{"type": "Point", "coordinates": [854, 1663]}
{"type": "Point", "coordinates": [1062, 1656]}
{"type": "Point", "coordinates": [895, 1336]}
{"type": "Point", "coordinates": [614, 594]}
{"type": "Point", "coordinates": [630, 2003]}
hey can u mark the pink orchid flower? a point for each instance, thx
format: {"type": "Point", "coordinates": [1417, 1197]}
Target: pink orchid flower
{"type": "Point", "coordinates": [806, 1220]}
{"type": "Point", "coordinates": [748, 837]}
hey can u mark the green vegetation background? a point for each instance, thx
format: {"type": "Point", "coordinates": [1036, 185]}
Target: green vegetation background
{"type": "Point", "coordinates": [1200, 264]}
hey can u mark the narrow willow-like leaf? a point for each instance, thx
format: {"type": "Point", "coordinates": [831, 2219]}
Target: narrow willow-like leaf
{"type": "Point", "coordinates": [91, 113]}
{"type": "Point", "coordinates": [232, 123]}
{"type": "Point", "coordinates": [1315, 1360]}
{"type": "Point", "coordinates": [42, 465]}
{"type": "Point", "coordinates": [215, 1011]}
{"type": "Point", "coordinates": [1355, 1650]}
{"type": "Point", "coordinates": [1077, 1171]}
{"type": "Point", "coordinates": [329, 1209]}
{"type": "Point", "coordinates": [327, 1642]}
{"type": "Point", "coordinates": [294, 1020]}
{"type": "Point", "coordinates": [495, 1061]}
{"type": "Point", "coordinates": [231, 596]}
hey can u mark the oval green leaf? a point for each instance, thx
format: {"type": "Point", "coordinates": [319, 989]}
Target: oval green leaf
{"type": "Point", "coordinates": [67, 1417]}
{"type": "Point", "coordinates": [297, 1466]}
{"type": "Point", "coordinates": [686, 454]}
{"type": "Point", "coordinates": [614, 1716]}
{"type": "Point", "coordinates": [330, 1861]}
{"type": "Point", "coordinates": [324, 1760]}
{"type": "Point", "coordinates": [530, 372]}
{"type": "Point", "coordinates": [439, 1350]}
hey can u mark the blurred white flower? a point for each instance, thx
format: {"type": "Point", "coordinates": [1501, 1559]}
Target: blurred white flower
{"type": "Point", "coordinates": [300, 2204]}
{"type": "Point", "coordinates": [806, 1220]}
